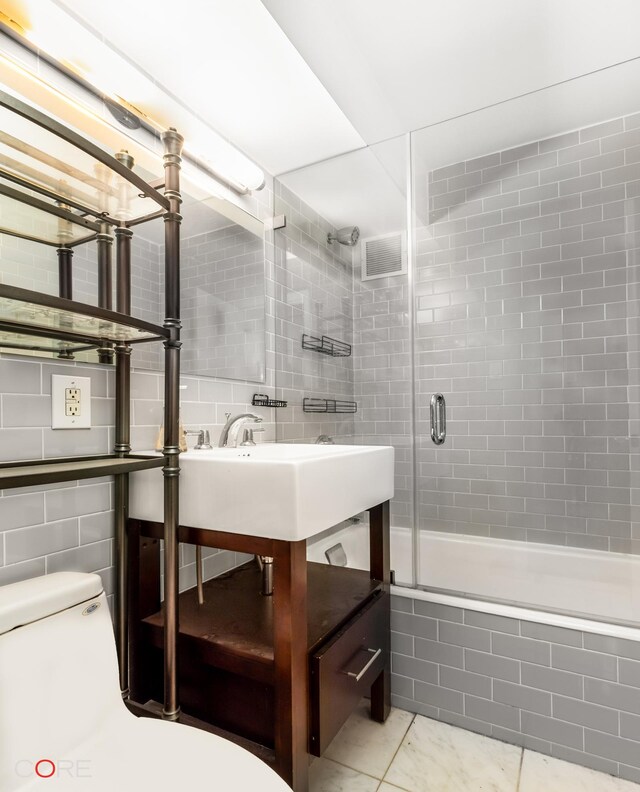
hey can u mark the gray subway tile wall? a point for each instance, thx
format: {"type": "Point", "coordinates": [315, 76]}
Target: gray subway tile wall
{"type": "Point", "coordinates": [565, 693]}
{"type": "Point", "coordinates": [313, 295]}
{"type": "Point", "coordinates": [527, 317]}
{"type": "Point", "coordinates": [383, 378]}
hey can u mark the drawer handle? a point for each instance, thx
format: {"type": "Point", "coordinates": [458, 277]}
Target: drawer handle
{"type": "Point", "coordinates": [370, 662]}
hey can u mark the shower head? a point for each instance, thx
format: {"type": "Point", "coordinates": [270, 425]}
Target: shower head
{"type": "Point", "coordinates": [345, 236]}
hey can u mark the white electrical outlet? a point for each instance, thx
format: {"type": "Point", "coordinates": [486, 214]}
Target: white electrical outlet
{"type": "Point", "coordinates": [70, 402]}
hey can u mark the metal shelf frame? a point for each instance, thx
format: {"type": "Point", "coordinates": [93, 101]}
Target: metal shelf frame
{"type": "Point", "coordinates": [101, 324]}
{"type": "Point", "coordinates": [326, 345]}
{"type": "Point", "coordinates": [314, 405]}
{"type": "Point", "coordinates": [51, 471]}
{"type": "Point", "coordinates": [112, 344]}
{"type": "Point", "coordinates": [79, 142]}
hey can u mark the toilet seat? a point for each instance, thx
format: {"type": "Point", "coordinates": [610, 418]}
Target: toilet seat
{"type": "Point", "coordinates": [147, 755]}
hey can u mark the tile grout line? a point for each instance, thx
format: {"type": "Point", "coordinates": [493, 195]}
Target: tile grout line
{"type": "Point", "coordinates": [381, 780]}
{"type": "Point", "coordinates": [353, 769]}
{"type": "Point", "coordinates": [404, 737]}
{"type": "Point", "coordinates": [520, 770]}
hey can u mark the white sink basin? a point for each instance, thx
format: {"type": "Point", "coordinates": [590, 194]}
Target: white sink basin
{"type": "Point", "coordinates": [275, 490]}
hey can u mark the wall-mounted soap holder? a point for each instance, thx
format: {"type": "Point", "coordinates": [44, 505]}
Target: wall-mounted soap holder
{"type": "Point", "coordinates": [262, 400]}
{"type": "Point", "coordinates": [312, 405]}
{"type": "Point", "coordinates": [326, 345]}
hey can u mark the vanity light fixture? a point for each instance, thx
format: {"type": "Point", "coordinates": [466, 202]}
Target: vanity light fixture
{"type": "Point", "coordinates": [66, 52]}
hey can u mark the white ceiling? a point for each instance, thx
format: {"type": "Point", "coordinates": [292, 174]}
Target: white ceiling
{"type": "Point", "coordinates": [394, 67]}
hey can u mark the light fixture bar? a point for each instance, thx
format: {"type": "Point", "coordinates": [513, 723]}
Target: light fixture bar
{"type": "Point", "coordinates": [147, 127]}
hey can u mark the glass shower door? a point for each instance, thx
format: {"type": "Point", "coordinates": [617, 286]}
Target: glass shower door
{"type": "Point", "coordinates": [526, 318]}
{"type": "Point", "coordinates": [355, 294]}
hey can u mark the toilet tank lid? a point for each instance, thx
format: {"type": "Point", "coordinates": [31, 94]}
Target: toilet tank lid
{"type": "Point", "coordinates": [30, 600]}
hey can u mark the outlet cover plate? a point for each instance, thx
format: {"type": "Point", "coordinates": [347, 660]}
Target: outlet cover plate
{"type": "Point", "coordinates": [59, 397]}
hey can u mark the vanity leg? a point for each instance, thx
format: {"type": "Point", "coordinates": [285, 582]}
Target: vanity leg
{"type": "Point", "coordinates": [290, 659]}
{"type": "Point", "coordinates": [380, 566]}
{"type": "Point", "coordinates": [144, 599]}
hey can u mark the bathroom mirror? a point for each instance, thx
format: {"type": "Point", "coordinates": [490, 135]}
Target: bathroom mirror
{"type": "Point", "coordinates": [222, 287]}
{"type": "Point", "coordinates": [222, 274]}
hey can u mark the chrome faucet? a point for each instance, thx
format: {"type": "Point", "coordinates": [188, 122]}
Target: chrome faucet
{"type": "Point", "coordinates": [229, 434]}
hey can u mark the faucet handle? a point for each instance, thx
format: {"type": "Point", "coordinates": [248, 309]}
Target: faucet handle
{"type": "Point", "coordinates": [204, 440]}
{"type": "Point", "coordinates": [248, 436]}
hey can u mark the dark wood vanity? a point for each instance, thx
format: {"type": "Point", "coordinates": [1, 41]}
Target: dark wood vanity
{"type": "Point", "coordinates": [280, 674]}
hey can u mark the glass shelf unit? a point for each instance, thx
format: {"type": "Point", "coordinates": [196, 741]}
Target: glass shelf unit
{"type": "Point", "coordinates": [48, 169]}
{"type": "Point", "coordinates": [29, 320]}
{"type": "Point", "coordinates": [44, 160]}
{"type": "Point", "coordinates": [51, 471]}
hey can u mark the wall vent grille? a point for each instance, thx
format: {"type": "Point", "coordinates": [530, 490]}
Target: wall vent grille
{"type": "Point", "coordinates": [383, 256]}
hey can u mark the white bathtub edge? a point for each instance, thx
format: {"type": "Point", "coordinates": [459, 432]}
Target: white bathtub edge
{"type": "Point", "coordinates": [518, 612]}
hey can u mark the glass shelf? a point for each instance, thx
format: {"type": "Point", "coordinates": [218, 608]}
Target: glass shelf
{"type": "Point", "coordinates": [41, 157]}
{"type": "Point", "coordinates": [51, 471]}
{"type": "Point", "coordinates": [34, 319]}
{"type": "Point", "coordinates": [37, 222]}
{"type": "Point", "coordinates": [20, 342]}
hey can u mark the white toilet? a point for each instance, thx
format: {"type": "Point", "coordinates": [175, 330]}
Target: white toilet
{"type": "Point", "coordinates": [62, 717]}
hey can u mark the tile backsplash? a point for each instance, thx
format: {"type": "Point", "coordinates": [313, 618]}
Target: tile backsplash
{"type": "Point", "coordinates": [70, 526]}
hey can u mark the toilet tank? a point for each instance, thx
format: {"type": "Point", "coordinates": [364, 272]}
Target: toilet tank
{"type": "Point", "coordinates": [58, 670]}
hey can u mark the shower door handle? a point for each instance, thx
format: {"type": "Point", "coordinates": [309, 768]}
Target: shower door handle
{"type": "Point", "coordinates": [438, 418]}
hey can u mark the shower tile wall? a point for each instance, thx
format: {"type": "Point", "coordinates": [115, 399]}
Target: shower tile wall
{"type": "Point", "coordinates": [382, 363]}
{"type": "Point", "coordinates": [527, 320]}
{"type": "Point", "coordinates": [313, 295]}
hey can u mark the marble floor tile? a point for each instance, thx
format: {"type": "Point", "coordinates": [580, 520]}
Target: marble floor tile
{"type": "Point", "coordinates": [541, 772]}
{"type": "Point", "coordinates": [367, 746]}
{"type": "Point", "coordinates": [436, 757]}
{"type": "Point", "coordinates": [328, 776]}
{"type": "Point", "coordinates": [384, 787]}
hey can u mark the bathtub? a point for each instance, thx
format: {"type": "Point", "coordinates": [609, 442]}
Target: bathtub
{"type": "Point", "coordinates": [588, 590]}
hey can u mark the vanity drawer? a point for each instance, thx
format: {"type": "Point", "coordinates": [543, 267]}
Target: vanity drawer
{"type": "Point", "coordinates": [344, 668]}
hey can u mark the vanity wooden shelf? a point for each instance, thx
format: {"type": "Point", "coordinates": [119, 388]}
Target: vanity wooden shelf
{"type": "Point", "coordinates": [226, 650]}
{"type": "Point", "coordinates": [51, 471]}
